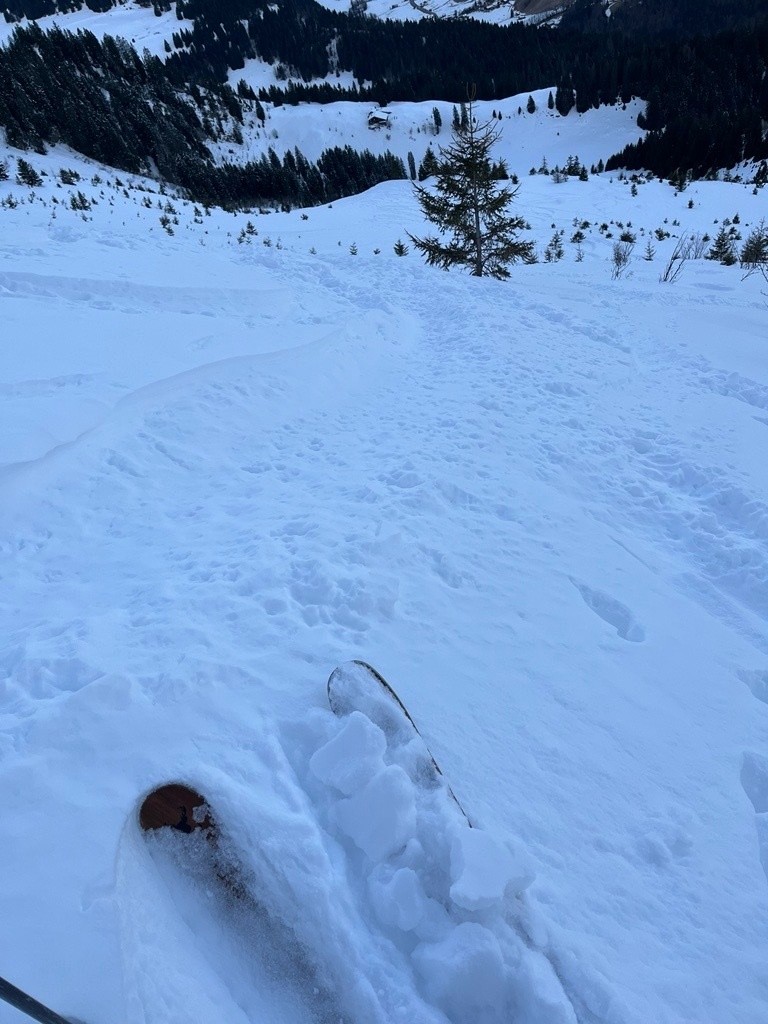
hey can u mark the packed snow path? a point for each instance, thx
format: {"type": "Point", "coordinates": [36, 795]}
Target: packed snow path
{"type": "Point", "coordinates": [540, 507]}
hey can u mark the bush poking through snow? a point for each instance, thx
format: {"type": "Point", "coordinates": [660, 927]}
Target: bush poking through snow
{"type": "Point", "coordinates": [620, 258]}
{"type": "Point", "coordinates": [674, 265]}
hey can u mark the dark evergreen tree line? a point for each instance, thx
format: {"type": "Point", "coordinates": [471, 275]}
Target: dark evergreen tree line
{"type": "Point", "coordinates": [292, 181]}
{"type": "Point", "coordinates": [708, 95]}
{"type": "Point", "coordinates": [708, 92]}
{"type": "Point", "coordinates": [98, 97]}
{"type": "Point", "coordinates": [104, 101]}
{"type": "Point", "coordinates": [683, 19]}
{"type": "Point", "coordinates": [708, 111]}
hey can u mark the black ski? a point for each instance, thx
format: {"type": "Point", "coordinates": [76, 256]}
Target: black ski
{"type": "Point", "coordinates": [21, 1001]}
{"type": "Point", "coordinates": [358, 686]}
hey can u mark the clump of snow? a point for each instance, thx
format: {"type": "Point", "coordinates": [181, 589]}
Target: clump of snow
{"type": "Point", "coordinates": [397, 896]}
{"type": "Point", "coordinates": [353, 757]}
{"type": "Point", "coordinates": [482, 870]}
{"type": "Point", "coordinates": [463, 974]}
{"type": "Point", "coordinates": [382, 833]}
{"type": "Point", "coordinates": [426, 874]}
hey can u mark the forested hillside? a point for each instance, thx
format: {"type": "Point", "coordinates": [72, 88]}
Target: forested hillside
{"type": "Point", "coordinates": [682, 19]}
{"type": "Point", "coordinates": [103, 100]}
{"type": "Point", "coordinates": [708, 88]}
{"type": "Point", "coordinates": [707, 92]}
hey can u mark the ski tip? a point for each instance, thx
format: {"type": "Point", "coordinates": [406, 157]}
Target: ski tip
{"type": "Point", "coordinates": [175, 805]}
{"type": "Point", "coordinates": [356, 667]}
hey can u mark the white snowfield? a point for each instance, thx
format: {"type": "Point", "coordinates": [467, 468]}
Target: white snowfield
{"type": "Point", "coordinates": [539, 507]}
{"type": "Point", "coordinates": [312, 128]}
{"type": "Point", "coordinates": [129, 20]}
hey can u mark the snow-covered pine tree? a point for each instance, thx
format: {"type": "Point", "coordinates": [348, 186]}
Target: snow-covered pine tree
{"type": "Point", "coordinates": [470, 209]}
{"type": "Point", "coordinates": [27, 175]}
{"type": "Point", "coordinates": [754, 252]}
{"type": "Point", "coordinates": [428, 165]}
{"type": "Point", "coordinates": [722, 249]}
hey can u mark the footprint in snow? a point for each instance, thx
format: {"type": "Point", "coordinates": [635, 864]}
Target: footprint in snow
{"type": "Point", "coordinates": [754, 781]}
{"type": "Point", "coordinates": [611, 611]}
{"type": "Point", "coordinates": [757, 681]}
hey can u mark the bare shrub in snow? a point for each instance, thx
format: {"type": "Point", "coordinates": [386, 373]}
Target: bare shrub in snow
{"type": "Point", "coordinates": [680, 254]}
{"type": "Point", "coordinates": [620, 258]}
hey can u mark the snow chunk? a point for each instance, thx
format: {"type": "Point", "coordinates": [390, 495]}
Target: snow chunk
{"type": "Point", "coordinates": [353, 757]}
{"type": "Point", "coordinates": [482, 869]}
{"type": "Point", "coordinates": [381, 818]}
{"type": "Point", "coordinates": [398, 898]}
{"type": "Point", "coordinates": [463, 974]}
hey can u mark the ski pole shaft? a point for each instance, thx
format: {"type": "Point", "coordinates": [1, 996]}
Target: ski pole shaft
{"type": "Point", "coordinates": [28, 1005]}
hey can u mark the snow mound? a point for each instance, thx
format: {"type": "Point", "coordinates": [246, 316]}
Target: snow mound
{"type": "Point", "coordinates": [483, 870]}
{"type": "Point", "coordinates": [464, 975]}
{"type": "Point", "coordinates": [384, 832]}
{"type": "Point", "coordinates": [442, 893]}
{"type": "Point", "coordinates": [352, 758]}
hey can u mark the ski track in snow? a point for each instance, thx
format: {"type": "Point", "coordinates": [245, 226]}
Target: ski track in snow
{"type": "Point", "coordinates": [535, 505]}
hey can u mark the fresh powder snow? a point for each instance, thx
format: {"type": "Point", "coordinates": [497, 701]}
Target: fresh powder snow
{"type": "Point", "coordinates": [235, 455]}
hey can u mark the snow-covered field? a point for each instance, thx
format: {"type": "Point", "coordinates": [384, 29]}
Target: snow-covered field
{"type": "Point", "coordinates": [592, 136]}
{"type": "Point", "coordinates": [136, 23]}
{"type": "Point", "coordinates": [235, 457]}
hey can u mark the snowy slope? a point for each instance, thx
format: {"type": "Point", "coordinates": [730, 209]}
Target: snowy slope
{"type": "Point", "coordinates": [592, 136]}
{"type": "Point", "coordinates": [129, 20]}
{"type": "Point", "coordinates": [497, 12]}
{"type": "Point", "coordinates": [539, 507]}
{"type": "Point", "coordinates": [133, 21]}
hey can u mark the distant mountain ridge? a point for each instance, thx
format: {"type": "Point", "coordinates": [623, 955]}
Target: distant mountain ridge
{"type": "Point", "coordinates": [680, 18]}
{"type": "Point", "coordinates": [34, 9]}
{"type": "Point", "coordinates": [495, 11]}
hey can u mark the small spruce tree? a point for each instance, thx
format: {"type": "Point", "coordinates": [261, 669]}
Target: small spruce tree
{"type": "Point", "coordinates": [722, 249]}
{"type": "Point", "coordinates": [27, 175]}
{"type": "Point", "coordinates": [754, 252]}
{"type": "Point", "coordinates": [531, 105]}
{"type": "Point", "coordinates": [470, 209]}
{"type": "Point", "coordinates": [554, 250]}
{"type": "Point", "coordinates": [401, 249]}
{"type": "Point", "coordinates": [429, 165]}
